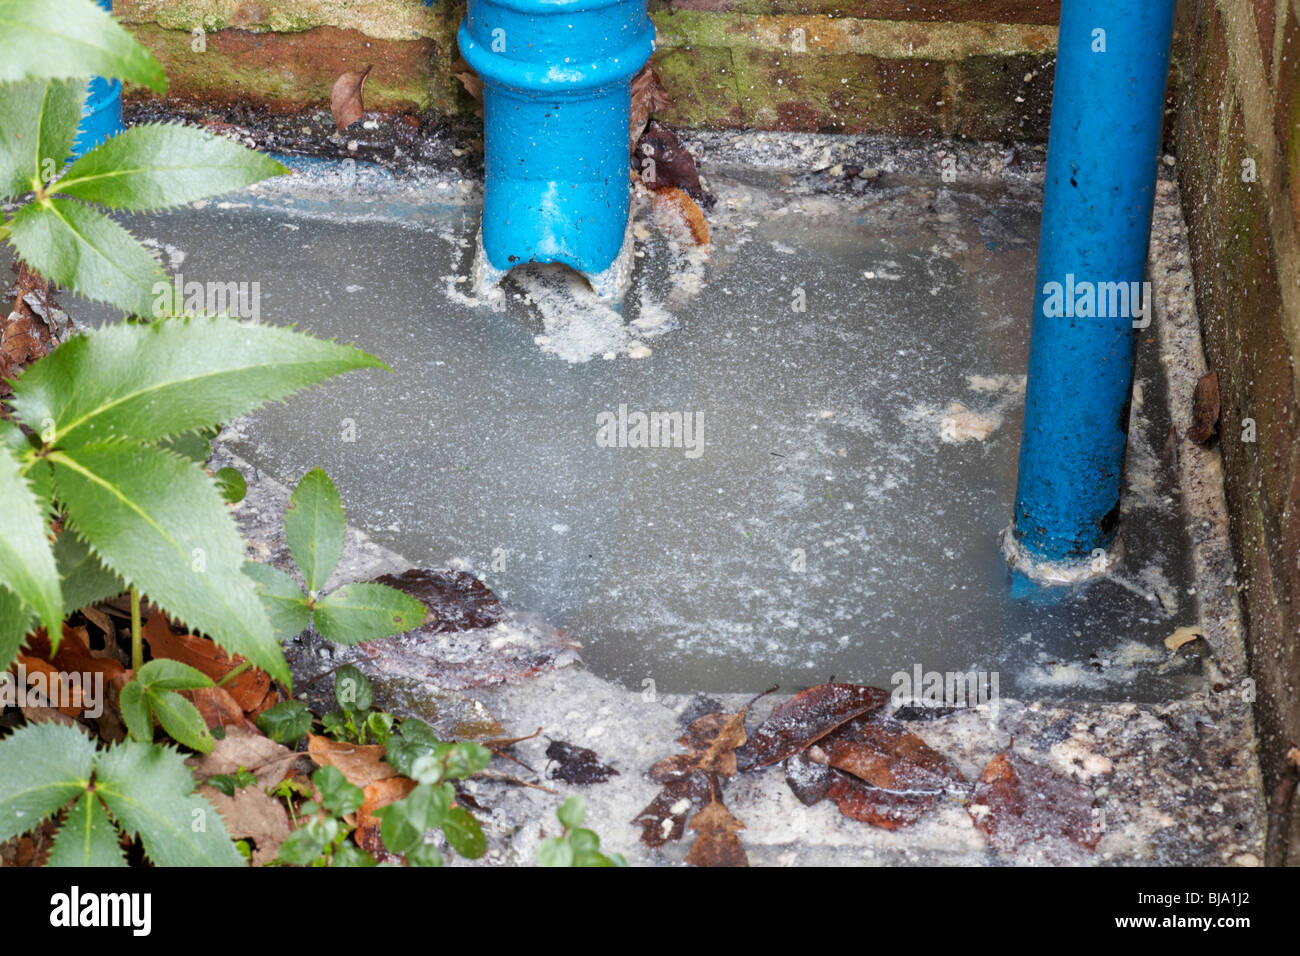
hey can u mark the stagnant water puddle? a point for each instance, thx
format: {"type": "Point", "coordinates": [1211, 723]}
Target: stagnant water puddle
{"type": "Point", "coordinates": [852, 372]}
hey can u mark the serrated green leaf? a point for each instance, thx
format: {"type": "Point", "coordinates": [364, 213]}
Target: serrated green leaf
{"type": "Point", "coordinates": [84, 578]}
{"type": "Point", "coordinates": [157, 166]}
{"type": "Point", "coordinates": [314, 528]}
{"type": "Point", "coordinates": [68, 38]}
{"type": "Point", "coordinates": [149, 791]}
{"type": "Point", "coordinates": [284, 601]}
{"type": "Point", "coordinates": [134, 704]}
{"type": "Point", "coordinates": [352, 689]}
{"type": "Point", "coordinates": [195, 446]}
{"type": "Point", "coordinates": [26, 561]}
{"type": "Point", "coordinates": [87, 837]}
{"type": "Point", "coordinates": [16, 621]}
{"type": "Point", "coordinates": [38, 122]}
{"type": "Point", "coordinates": [42, 767]}
{"type": "Point", "coordinates": [166, 674]}
{"type": "Point", "coordinates": [286, 722]}
{"type": "Point", "coordinates": [148, 381]}
{"type": "Point", "coordinates": [464, 833]}
{"type": "Point", "coordinates": [181, 719]}
{"type": "Point", "coordinates": [81, 248]}
{"type": "Point", "coordinates": [156, 520]}
{"type": "Point", "coordinates": [231, 484]}
{"type": "Point", "coordinates": [365, 611]}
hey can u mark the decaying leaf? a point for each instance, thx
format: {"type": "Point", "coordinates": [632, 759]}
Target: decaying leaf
{"type": "Point", "coordinates": [648, 97]}
{"type": "Point", "coordinates": [346, 102]}
{"type": "Point", "coordinates": [1024, 806]}
{"type": "Point", "coordinates": [574, 764]}
{"type": "Point", "coordinates": [250, 750]}
{"type": "Point", "coordinates": [34, 326]}
{"type": "Point", "coordinates": [717, 843]}
{"type": "Point", "coordinates": [472, 82]}
{"type": "Point", "coordinates": [378, 794]}
{"type": "Point", "coordinates": [362, 764]}
{"type": "Point", "coordinates": [661, 160]}
{"type": "Point", "coordinates": [884, 754]}
{"type": "Point", "coordinates": [679, 216]}
{"type": "Point", "coordinates": [1205, 408]}
{"type": "Point", "coordinates": [456, 601]}
{"type": "Point", "coordinates": [887, 809]}
{"type": "Point", "coordinates": [692, 778]}
{"type": "Point", "coordinates": [218, 708]}
{"type": "Point", "coordinates": [253, 815]}
{"type": "Point", "coordinates": [252, 689]}
{"type": "Point", "coordinates": [806, 718]}
{"type": "Point", "coordinates": [807, 778]}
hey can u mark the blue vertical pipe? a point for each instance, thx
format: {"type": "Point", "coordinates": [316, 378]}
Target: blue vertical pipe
{"type": "Point", "coordinates": [1107, 117]}
{"type": "Point", "coordinates": [101, 117]}
{"type": "Point", "coordinates": [556, 100]}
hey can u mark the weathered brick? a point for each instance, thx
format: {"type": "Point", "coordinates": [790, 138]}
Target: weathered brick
{"type": "Point", "coordinates": [990, 11]}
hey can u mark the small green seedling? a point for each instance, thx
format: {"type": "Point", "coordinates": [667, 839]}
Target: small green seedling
{"type": "Point", "coordinates": [152, 694]}
{"type": "Point", "coordinates": [323, 839]}
{"type": "Point", "coordinates": [575, 846]}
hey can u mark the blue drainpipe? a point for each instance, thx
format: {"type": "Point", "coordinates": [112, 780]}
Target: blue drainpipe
{"type": "Point", "coordinates": [101, 117]}
{"type": "Point", "coordinates": [556, 100]}
{"type": "Point", "coordinates": [1102, 154]}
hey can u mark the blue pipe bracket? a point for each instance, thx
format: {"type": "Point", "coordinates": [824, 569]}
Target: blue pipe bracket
{"type": "Point", "coordinates": [1090, 295]}
{"type": "Point", "coordinates": [101, 117]}
{"type": "Point", "coordinates": [556, 101]}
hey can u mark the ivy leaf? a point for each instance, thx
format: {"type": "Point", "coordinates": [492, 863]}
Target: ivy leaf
{"type": "Point", "coordinates": [87, 837]}
{"type": "Point", "coordinates": [464, 833]}
{"type": "Point", "coordinates": [555, 852]}
{"type": "Point", "coordinates": [423, 854]}
{"type": "Point", "coordinates": [158, 166]}
{"type": "Point", "coordinates": [286, 722]}
{"type": "Point", "coordinates": [38, 122]}
{"type": "Point", "coordinates": [365, 611]}
{"type": "Point", "coordinates": [85, 579]}
{"type": "Point", "coordinates": [71, 38]}
{"type": "Point", "coordinates": [352, 689]}
{"type": "Point", "coordinates": [156, 520]}
{"type": "Point", "coordinates": [184, 373]}
{"type": "Point", "coordinates": [79, 247]}
{"type": "Point", "coordinates": [404, 823]}
{"type": "Point", "coordinates": [337, 795]}
{"type": "Point", "coordinates": [26, 562]}
{"type": "Point", "coordinates": [42, 767]}
{"type": "Point", "coordinates": [150, 793]}
{"type": "Point", "coordinates": [284, 601]}
{"type": "Point", "coordinates": [314, 528]}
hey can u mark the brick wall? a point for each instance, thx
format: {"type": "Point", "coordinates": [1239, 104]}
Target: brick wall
{"type": "Point", "coordinates": [1239, 151]}
{"type": "Point", "coordinates": [978, 68]}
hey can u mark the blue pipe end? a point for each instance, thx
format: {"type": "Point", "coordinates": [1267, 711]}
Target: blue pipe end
{"type": "Point", "coordinates": [556, 101]}
{"type": "Point", "coordinates": [101, 117]}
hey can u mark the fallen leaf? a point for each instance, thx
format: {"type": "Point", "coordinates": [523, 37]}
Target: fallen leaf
{"type": "Point", "coordinates": [250, 689]}
{"type": "Point", "coordinates": [1022, 805]}
{"type": "Point", "coordinates": [648, 97]}
{"type": "Point", "coordinates": [717, 843]}
{"type": "Point", "coordinates": [661, 160]}
{"type": "Point", "coordinates": [346, 101]}
{"type": "Point", "coordinates": [472, 82]}
{"type": "Point", "coordinates": [253, 815]}
{"type": "Point", "coordinates": [34, 326]}
{"type": "Point", "coordinates": [884, 754]}
{"type": "Point", "coordinates": [806, 718]}
{"type": "Point", "coordinates": [574, 764]}
{"type": "Point", "coordinates": [378, 794]}
{"type": "Point", "coordinates": [42, 679]}
{"type": "Point", "coordinates": [456, 601]}
{"type": "Point", "coordinates": [251, 749]}
{"type": "Point", "coordinates": [887, 809]}
{"type": "Point", "coordinates": [362, 764]}
{"type": "Point", "coordinates": [1205, 408]}
{"type": "Point", "coordinates": [218, 708]}
{"type": "Point", "coordinates": [679, 216]}
{"type": "Point", "coordinates": [664, 819]}
{"type": "Point", "coordinates": [808, 779]}
{"type": "Point", "coordinates": [1181, 636]}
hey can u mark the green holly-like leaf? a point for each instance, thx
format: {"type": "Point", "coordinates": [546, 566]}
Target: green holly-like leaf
{"type": "Point", "coordinates": [231, 484]}
{"type": "Point", "coordinates": [42, 767]}
{"type": "Point", "coordinates": [79, 247]}
{"type": "Point", "coordinates": [38, 122]}
{"type": "Point", "coordinates": [366, 611]}
{"type": "Point", "coordinates": [150, 793]}
{"type": "Point", "coordinates": [85, 580]}
{"type": "Point", "coordinates": [286, 722]}
{"type": "Point", "coordinates": [149, 381]}
{"type": "Point", "coordinates": [15, 622]}
{"type": "Point", "coordinates": [314, 528]}
{"type": "Point", "coordinates": [87, 837]}
{"type": "Point", "coordinates": [284, 601]}
{"type": "Point", "coordinates": [157, 166]}
{"type": "Point", "coordinates": [26, 562]}
{"type": "Point", "coordinates": [71, 38]}
{"type": "Point", "coordinates": [156, 520]}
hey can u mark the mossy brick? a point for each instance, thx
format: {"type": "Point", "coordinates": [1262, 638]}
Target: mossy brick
{"type": "Point", "coordinates": [1001, 97]}
{"type": "Point", "coordinates": [991, 11]}
{"type": "Point", "coordinates": [379, 19]}
{"type": "Point", "coordinates": [1287, 119]}
{"type": "Point", "coordinates": [702, 84]}
{"type": "Point", "coordinates": [290, 72]}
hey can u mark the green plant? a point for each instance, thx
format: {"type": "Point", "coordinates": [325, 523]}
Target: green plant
{"type": "Point", "coordinates": [106, 428]}
{"type": "Point", "coordinates": [228, 783]}
{"type": "Point", "coordinates": [144, 790]}
{"type": "Point", "coordinates": [575, 846]}
{"type": "Point", "coordinates": [153, 694]}
{"type": "Point", "coordinates": [356, 720]}
{"type": "Point", "coordinates": [323, 839]}
{"type": "Point", "coordinates": [315, 528]}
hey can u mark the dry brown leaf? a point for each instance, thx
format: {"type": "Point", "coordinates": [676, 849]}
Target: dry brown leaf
{"type": "Point", "coordinates": [676, 210]}
{"type": "Point", "coordinates": [378, 794]}
{"type": "Point", "coordinates": [1205, 408]}
{"type": "Point", "coordinates": [717, 843]}
{"type": "Point", "coordinates": [249, 689]}
{"type": "Point", "coordinates": [253, 815]}
{"type": "Point", "coordinates": [472, 82]}
{"type": "Point", "coordinates": [887, 809]}
{"type": "Point", "coordinates": [346, 101]}
{"type": "Point", "coordinates": [362, 764]}
{"type": "Point", "coordinates": [251, 749]}
{"type": "Point", "coordinates": [648, 97]}
{"type": "Point", "coordinates": [805, 718]}
{"type": "Point", "coordinates": [1022, 805]}
{"type": "Point", "coordinates": [218, 708]}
